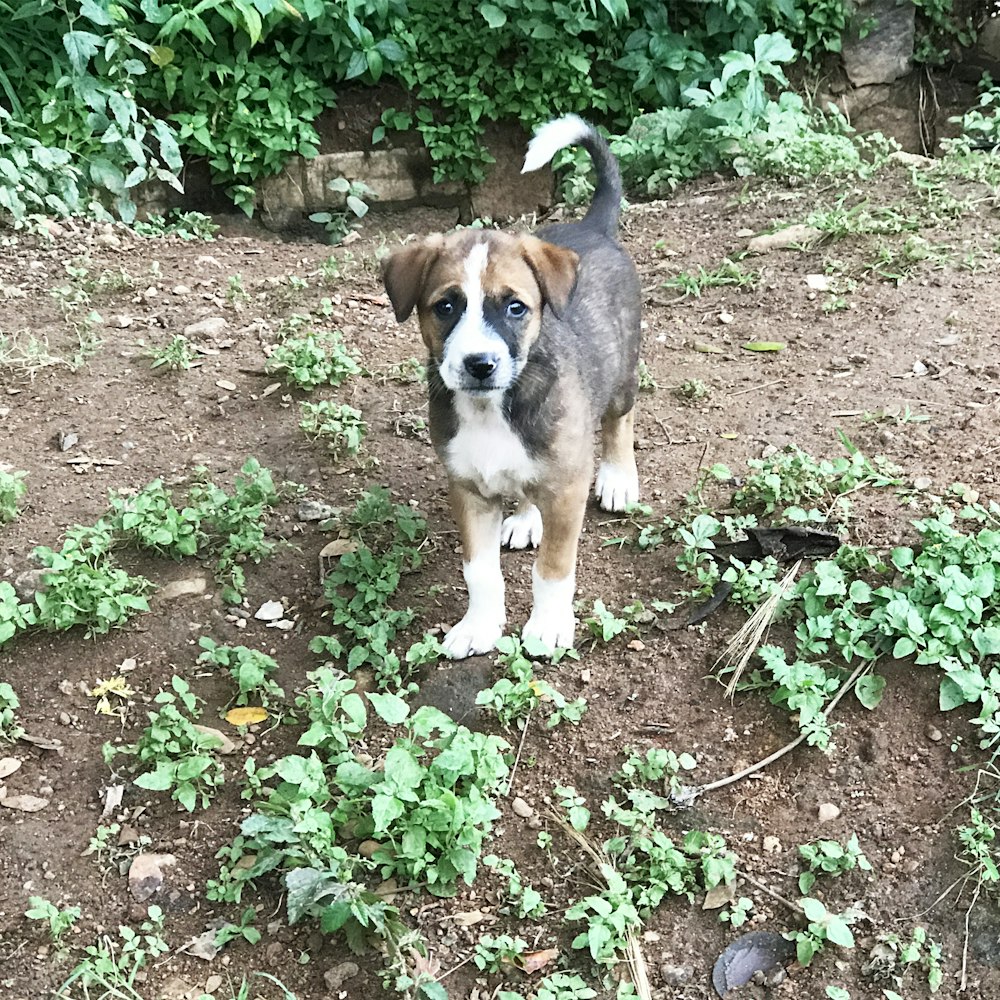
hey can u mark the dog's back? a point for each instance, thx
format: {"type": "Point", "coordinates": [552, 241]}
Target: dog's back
{"type": "Point", "coordinates": [600, 330]}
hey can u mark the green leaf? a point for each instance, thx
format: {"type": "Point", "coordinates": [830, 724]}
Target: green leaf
{"type": "Point", "coordinates": [868, 690]}
{"type": "Point", "coordinates": [960, 687]}
{"type": "Point", "coordinates": [390, 708]}
{"type": "Point", "coordinates": [838, 932]}
{"type": "Point", "coordinates": [81, 47]}
{"type": "Point", "coordinates": [814, 910]}
{"type": "Point", "coordinates": [494, 16]}
{"type": "Point", "coordinates": [764, 345]}
{"type": "Point", "coordinates": [904, 647]}
{"type": "Point", "coordinates": [987, 640]}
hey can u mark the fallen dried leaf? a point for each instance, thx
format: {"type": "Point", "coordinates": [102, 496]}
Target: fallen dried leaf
{"type": "Point", "coordinates": [246, 716]}
{"type": "Point", "coordinates": [702, 348]}
{"type": "Point", "coordinates": [536, 960]}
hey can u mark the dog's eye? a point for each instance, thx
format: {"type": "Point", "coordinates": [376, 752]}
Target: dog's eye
{"type": "Point", "coordinates": [516, 309]}
{"type": "Point", "coordinates": [444, 308]}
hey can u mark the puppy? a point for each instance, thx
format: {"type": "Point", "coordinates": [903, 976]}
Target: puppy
{"type": "Point", "coordinates": [533, 342]}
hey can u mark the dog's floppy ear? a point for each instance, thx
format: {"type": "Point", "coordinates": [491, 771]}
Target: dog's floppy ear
{"type": "Point", "coordinates": [554, 269]}
{"type": "Point", "coordinates": [404, 272]}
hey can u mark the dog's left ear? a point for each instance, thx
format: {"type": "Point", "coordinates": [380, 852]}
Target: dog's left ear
{"type": "Point", "coordinates": [554, 269]}
{"type": "Point", "coordinates": [404, 273]}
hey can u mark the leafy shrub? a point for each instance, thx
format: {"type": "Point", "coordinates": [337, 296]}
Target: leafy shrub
{"type": "Point", "coordinates": [341, 425]}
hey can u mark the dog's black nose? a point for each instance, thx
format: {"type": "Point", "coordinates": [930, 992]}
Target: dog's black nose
{"type": "Point", "coordinates": [481, 366]}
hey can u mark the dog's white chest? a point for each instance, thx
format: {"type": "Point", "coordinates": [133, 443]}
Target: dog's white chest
{"type": "Point", "coordinates": [487, 452]}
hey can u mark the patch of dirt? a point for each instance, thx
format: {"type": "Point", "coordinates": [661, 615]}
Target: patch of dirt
{"type": "Point", "coordinates": [928, 343]}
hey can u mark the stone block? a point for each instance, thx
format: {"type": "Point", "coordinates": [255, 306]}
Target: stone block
{"type": "Point", "coordinates": [886, 52]}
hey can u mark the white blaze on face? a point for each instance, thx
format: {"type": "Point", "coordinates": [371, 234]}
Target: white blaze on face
{"type": "Point", "coordinates": [472, 334]}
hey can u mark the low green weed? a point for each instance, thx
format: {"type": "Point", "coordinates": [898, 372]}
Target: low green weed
{"type": "Point", "coordinates": [150, 520]}
{"type": "Point", "coordinates": [340, 425]}
{"type": "Point", "coordinates": [604, 625]}
{"type": "Point", "coordinates": [893, 957]}
{"type": "Point", "coordinates": [736, 915]}
{"type": "Point", "coordinates": [824, 926]}
{"type": "Point", "coordinates": [184, 225]}
{"type": "Point", "coordinates": [82, 585]}
{"type": "Point", "coordinates": [363, 583]}
{"type": "Point", "coordinates": [522, 899]}
{"type": "Point", "coordinates": [830, 857]}
{"type": "Point", "coordinates": [354, 196]}
{"type": "Point", "coordinates": [692, 391]}
{"type": "Point", "coordinates": [244, 930]}
{"type": "Point", "coordinates": [171, 754]}
{"type": "Point", "coordinates": [727, 275]}
{"type": "Point", "coordinates": [10, 728]}
{"type": "Point", "coordinates": [116, 966]}
{"type": "Point", "coordinates": [336, 713]}
{"type": "Point", "coordinates": [493, 953]}
{"type": "Point", "coordinates": [178, 355]}
{"type": "Point", "coordinates": [14, 616]}
{"type": "Point", "coordinates": [514, 698]}
{"type": "Point", "coordinates": [106, 849]}
{"type": "Point", "coordinates": [12, 490]}
{"type": "Point", "coordinates": [57, 920]}
{"type": "Point", "coordinates": [249, 668]}
{"type": "Point", "coordinates": [558, 986]}
{"type": "Point", "coordinates": [313, 359]}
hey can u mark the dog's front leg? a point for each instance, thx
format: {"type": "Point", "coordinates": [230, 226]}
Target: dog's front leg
{"type": "Point", "coordinates": [479, 527]}
{"type": "Point", "coordinates": [553, 577]}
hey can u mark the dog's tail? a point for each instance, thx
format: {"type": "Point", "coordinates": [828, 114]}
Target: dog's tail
{"type": "Point", "coordinates": [572, 130]}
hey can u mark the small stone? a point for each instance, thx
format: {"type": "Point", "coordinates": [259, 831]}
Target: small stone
{"type": "Point", "coordinates": [828, 812]}
{"type": "Point", "coordinates": [181, 290]}
{"type": "Point", "coordinates": [367, 848]}
{"type": "Point", "coordinates": [109, 240]}
{"type": "Point", "coordinates": [726, 318]}
{"type": "Point", "coordinates": [932, 733]}
{"type": "Point", "coordinates": [314, 510]}
{"type": "Point", "coordinates": [798, 235]}
{"type": "Point", "coordinates": [145, 874]}
{"type": "Point", "coordinates": [270, 611]}
{"type": "Point", "coordinates": [213, 983]}
{"type": "Point", "coordinates": [923, 483]}
{"type": "Point", "coordinates": [206, 329]}
{"type": "Point", "coordinates": [339, 974]}
{"type": "Point", "coordinates": [675, 975]}
{"type": "Point", "coordinates": [772, 845]}
{"type": "Point", "coordinates": [64, 719]}
{"type": "Point", "coordinates": [184, 588]}
{"type": "Point", "coordinates": [521, 808]}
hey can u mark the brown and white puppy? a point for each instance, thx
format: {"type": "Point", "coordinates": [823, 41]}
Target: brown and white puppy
{"type": "Point", "coordinates": [533, 342]}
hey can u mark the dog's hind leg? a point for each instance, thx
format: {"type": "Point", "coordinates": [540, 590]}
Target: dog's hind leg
{"type": "Point", "coordinates": [617, 476]}
{"type": "Point", "coordinates": [523, 528]}
{"type": "Point", "coordinates": [479, 526]}
{"type": "Point", "coordinates": [553, 577]}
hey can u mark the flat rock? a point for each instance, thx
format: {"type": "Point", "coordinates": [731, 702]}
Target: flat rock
{"type": "Point", "coordinates": [339, 974]}
{"type": "Point", "coordinates": [790, 236]}
{"type": "Point", "coordinates": [270, 611]}
{"type": "Point", "coordinates": [24, 803]}
{"type": "Point", "coordinates": [8, 765]}
{"type": "Point", "coordinates": [521, 808]}
{"type": "Point", "coordinates": [145, 874]}
{"type": "Point", "coordinates": [206, 329]}
{"type": "Point", "coordinates": [190, 587]}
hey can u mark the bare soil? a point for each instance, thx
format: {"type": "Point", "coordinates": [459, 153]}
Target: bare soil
{"type": "Point", "coordinates": [928, 342]}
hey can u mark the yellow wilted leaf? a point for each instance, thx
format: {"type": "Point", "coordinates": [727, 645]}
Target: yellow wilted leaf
{"type": "Point", "coordinates": [245, 716]}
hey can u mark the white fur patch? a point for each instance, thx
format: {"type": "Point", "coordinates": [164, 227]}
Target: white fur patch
{"type": "Point", "coordinates": [523, 529]}
{"type": "Point", "coordinates": [472, 334]}
{"type": "Point", "coordinates": [552, 621]}
{"type": "Point", "coordinates": [486, 451]}
{"type": "Point", "coordinates": [483, 623]}
{"type": "Point", "coordinates": [616, 486]}
{"type": "Point", "coordinates": [552, 137]}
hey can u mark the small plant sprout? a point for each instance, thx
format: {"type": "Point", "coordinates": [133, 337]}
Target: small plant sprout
{"type": "Point", "coordinates": [829, 857]}
{"type": "Point", "coordinates": [236, 293]}
{"type": "Point", "coordinates": [178, 355]}
{"type": "Point", "coordinates": [12, 490]}
{"type": "Point", "coordinates": [736, 914]}
{"type": "Point", "coordinates": [58, 920]}
{"type": "Point", "coordinates": [354, 196]}
{"type": "Point", "coordinates": [340, 425]}
{"type": "Point", "coordinates": [494, 952]}
{"type": "Point", "coordinates": [249, 668]}
{"type": "Point", "coordinates": [823, 926]}
{"type": "Point", "coordinates": [692, 390]}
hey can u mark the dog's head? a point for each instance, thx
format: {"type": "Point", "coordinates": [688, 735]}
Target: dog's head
{"type": "Point", "coordinates": [479, 297]}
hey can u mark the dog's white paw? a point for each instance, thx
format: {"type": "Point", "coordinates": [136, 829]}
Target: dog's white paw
{"type": "Point", "coordinates": [552, 622]}
{"type": "Point", "coordinates": [523, 529]}
{"type": "Point", "coordinates": [552, 631]}
{"type": "Point", "coordinates": [473, 635]}
{"type": "Point", "coordinates": [616, 486]}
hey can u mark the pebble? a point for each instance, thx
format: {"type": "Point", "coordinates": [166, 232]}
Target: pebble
{"type": "Point", "coordinates": [181, 290]}
{"type": "Point", "coordinates": [932, 733]}
{"type": "Point", "coordinates": [675, 975]}
{"type": "Point", "coordinates": [339, 974]}
{"type": "Point", "coordinates": [772, 845]}
{"type": "Point", "coordinates": [206, 329]}
{"type": "Point", "coordinates": [64, 719]}
{"type": "Point", "coordinates": [521, 808]}
{"type": "Point", "coordinates": [827, 812]}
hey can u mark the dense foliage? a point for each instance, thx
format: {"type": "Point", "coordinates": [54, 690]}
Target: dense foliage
{"type": "Point", "coordinates": [98, 96]}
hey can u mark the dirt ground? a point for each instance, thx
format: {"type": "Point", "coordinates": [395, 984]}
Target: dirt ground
{"type": "Point", "coordinates": [928, 342]}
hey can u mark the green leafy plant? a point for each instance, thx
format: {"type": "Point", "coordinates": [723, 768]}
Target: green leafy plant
{"type": "Point", "coordinates": [172, 754]}
{"type": "Point", "coordinates": [187, 226]}
{"type": "Point", "coordinates": [355, 196]}
{"type": "Point", "coordinates": [10, 728]}
{"type": "Point", "coordinates": [736, 914]}
{"type": "Point", "coordinates": [313, 359]}
{"type": "Point", "coordinates": [150, 520]}
{"type": "Point", "coordinates": [249, 668]}
{"type": "Point", "coordinates": [514, 697]}
{"type": "Point", "coordinates": [57, 920]}
{"type": "Point", "coordinates": [727, 274]}
{"type": "Point", "coordinates": [523, 899]}
{"type": "Point", "coordinates": [823, 926]}
{"type": "Point", "coordinates": [115, 965]}
{"type": "Point", "coordinates": [829, 857]}
{"type": "Point", "coordinates": [339, 424]}
{"type": "Point", "coordinates": [492, 953]}
{"type": "Point", "coordinates": [12, 490]}
{"type": "Point", "coordinates": [175, 356]}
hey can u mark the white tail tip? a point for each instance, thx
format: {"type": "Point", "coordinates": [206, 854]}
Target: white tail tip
{"type": "Point", "coordinates": [552, 137]}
